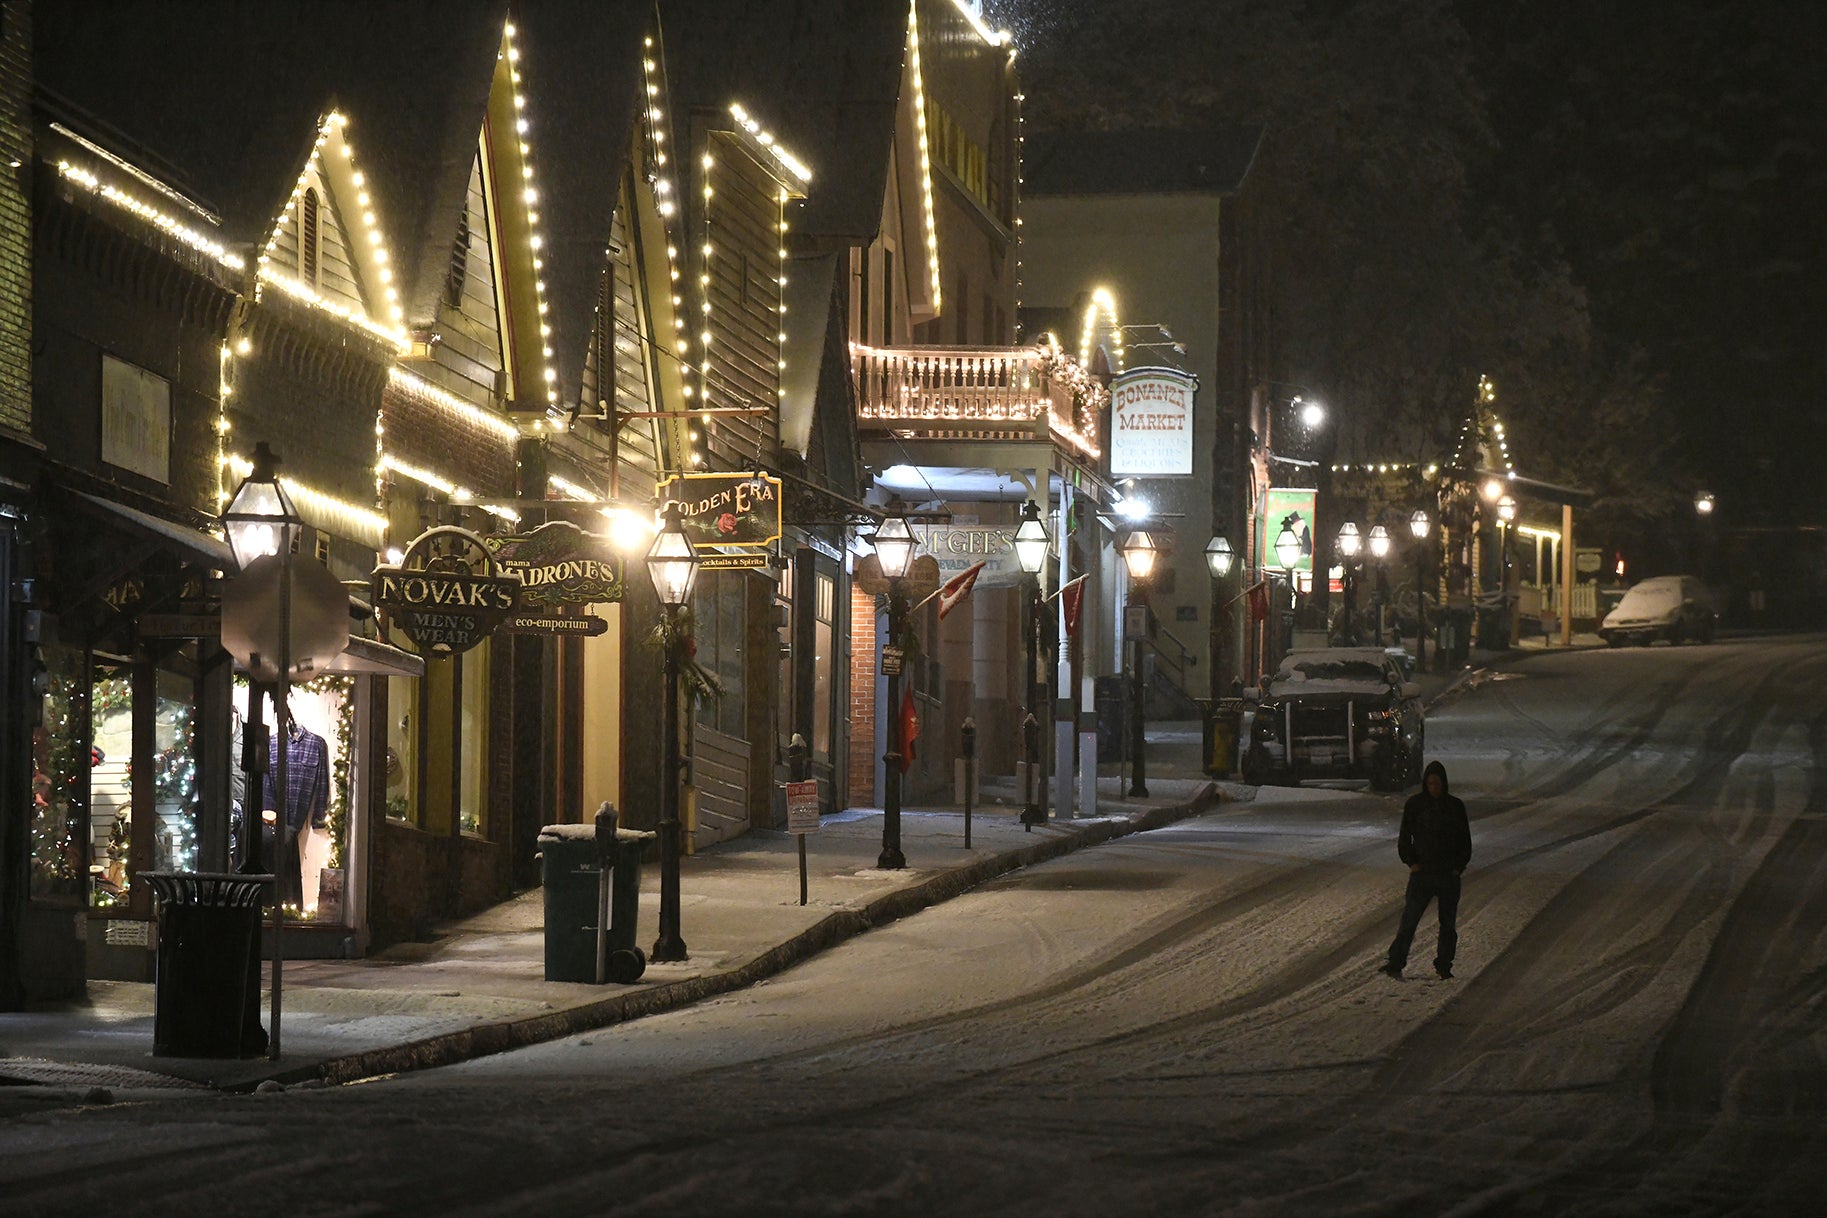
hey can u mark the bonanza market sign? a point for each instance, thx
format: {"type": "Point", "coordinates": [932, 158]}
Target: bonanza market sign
{"type": "Point", "coordinates": [1151, 422]}
{"type": "Point", "coordinates": [735, 517]}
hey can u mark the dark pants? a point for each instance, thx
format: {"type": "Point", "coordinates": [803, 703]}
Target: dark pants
{"type": "Point", "coordinates": [1425, 886]}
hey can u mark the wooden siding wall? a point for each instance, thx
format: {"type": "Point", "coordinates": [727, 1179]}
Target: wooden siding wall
{"type": "Point", "coordinates": [621, 322]}
{"type": "Point", "coordinates": [743, 230]}
{"type": "Point", "coordinates": [469, 358]}
{"type": "Point", "coordinates": [336, 274]}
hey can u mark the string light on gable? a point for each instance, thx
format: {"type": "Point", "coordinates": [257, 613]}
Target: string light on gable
{"type": "Point", "coordinates": [1472, 438]}
{"type": "Point", "coordinates": [529, 196]}
{"type": "Point", "coordinates": [145, 211]}
{"type": "Point", "coordinates": [368, 249]}
{"type": "Point", "coordinates": [665, 197]}
{"type": "Point", "coordinates": [1102, 304]}
{"type": "Point", "coordinates": [928, 209]}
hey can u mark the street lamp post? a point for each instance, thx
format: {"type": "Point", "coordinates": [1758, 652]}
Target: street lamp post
{"type": "Point", "coordinates": [1218, 559]}
{"type": "Point", "coordinates": [1031, 544]}
{"type": "Point", "coordinates": [1379, 550]}
{"type": "Point", "coordinates": [260, 521]}
{"type": "Point", "coordinates": [895, 545]}
{"type": "Point", "coordinates": [1349, 542]}
{"type": "Point", "coordinates": [1418, 525]}
{"type": "Point", "coordinates": [672, 564]}
{"type": "Point", "coordinates": [1139, 552]}
{"type": "Point", "coordinates": [1287, 549]}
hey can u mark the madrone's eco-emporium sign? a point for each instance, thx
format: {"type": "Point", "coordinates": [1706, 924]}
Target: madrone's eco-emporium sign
{"type": "Point", "coordinates": [561, 569]}
{"type": "Point", "coordinates": [446, 594]}
{"type": "Point", "coordinates": [1151, 422]}
{"type": "Point", "coordinates": [731, 518]}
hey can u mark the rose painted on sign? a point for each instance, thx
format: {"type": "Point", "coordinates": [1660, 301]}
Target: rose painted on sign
{"type": "Point", "coordinates": [726, 523]}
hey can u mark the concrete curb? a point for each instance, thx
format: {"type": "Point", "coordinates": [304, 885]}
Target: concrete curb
{"type": "Point", "coordinates": [500, 1036]}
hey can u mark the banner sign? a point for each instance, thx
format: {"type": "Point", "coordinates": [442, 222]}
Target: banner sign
{"type": "Point", "coordinates": [1151, 422]}
{"type": "Point", "coordinates": [1293, 506]}
{"type": "Point", "coordinates": [447, 593]}
{"type": "Point", "coordinates": [559, 564]}
{"type": "Point", "coordinates": [959, 547]}
{"type": "Point", "coordinates": [734, 511]}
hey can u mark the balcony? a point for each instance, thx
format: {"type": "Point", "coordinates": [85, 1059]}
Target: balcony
{"type": "Point", "coordinates": [987, 393]}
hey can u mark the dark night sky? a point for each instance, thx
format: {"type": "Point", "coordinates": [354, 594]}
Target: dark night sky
{"type": "Point", "coordinates": [1666, 158]}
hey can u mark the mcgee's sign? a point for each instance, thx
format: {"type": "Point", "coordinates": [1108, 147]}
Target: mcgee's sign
{"type": "Point", "coordinates": [1151, 422]}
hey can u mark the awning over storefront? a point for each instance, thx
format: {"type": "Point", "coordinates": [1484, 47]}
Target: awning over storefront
{"type": "Point", "coordinates": [195, 545]}
{"type": "Point", "coordinates": [367, 657]}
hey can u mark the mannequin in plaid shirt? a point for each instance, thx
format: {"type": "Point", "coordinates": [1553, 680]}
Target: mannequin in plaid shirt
{"type": "Point", "coordinates": [307, 800]}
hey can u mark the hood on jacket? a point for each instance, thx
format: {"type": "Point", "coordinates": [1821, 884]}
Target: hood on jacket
{"type": "Point", "coordinates": [1434, 767]}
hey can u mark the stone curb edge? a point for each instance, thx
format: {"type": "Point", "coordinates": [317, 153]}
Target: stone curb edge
{"type": "Point", "coordinates": [500, 1036]}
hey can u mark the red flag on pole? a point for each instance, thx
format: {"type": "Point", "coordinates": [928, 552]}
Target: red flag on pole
{"type": "Point", "coordinates": [910, 729]}
{"type": "Point", "coordinates": [1072, 599]}
{"type": "Point", "coordinates": [957, 588]}
{"type": "Point", "coordinates": [1259, 601]}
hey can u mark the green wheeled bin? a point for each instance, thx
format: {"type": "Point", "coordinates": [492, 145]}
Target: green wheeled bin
{"type": "Point", "coordinates": [574, 860]}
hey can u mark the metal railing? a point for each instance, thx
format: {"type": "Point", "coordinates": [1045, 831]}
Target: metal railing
{"type": "Point", "coordinates": [997, 393]}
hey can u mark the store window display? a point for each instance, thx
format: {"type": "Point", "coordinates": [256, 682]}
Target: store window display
{"type": "Point", "coordinates": [306, 824]}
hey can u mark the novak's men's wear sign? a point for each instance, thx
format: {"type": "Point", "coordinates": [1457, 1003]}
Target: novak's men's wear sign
{"type": "Point", "coordinates": [1151, 422]}
{"type": "Point", "coordinates": [447, 593]}
{"type": "Point", "coordinates": [731, 518]}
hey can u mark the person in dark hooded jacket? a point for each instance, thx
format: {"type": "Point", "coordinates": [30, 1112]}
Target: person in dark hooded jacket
{"type": "Point", "coordinates": [1436, 842]}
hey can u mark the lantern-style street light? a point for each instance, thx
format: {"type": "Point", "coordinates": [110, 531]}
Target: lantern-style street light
{"type": "Point", "coordinates": [1219, 556]}
{"type": "Point", "coordinates": [1031, 544]}
{"type": "Point", "coordinates": [1418, 524]}
{"type": "Point", "coordinates": [672, 564]}
{"type": "Point", "coordinates": [895, 545]}
{"type": "Point", "coordinates": [1139, 553]}
{"type": "Point", "coordinates": [1379, 550]}
{"type": "Point", "coordinates": [1350, 543]}
{"type": "Point", "coordinates": [261, 521]}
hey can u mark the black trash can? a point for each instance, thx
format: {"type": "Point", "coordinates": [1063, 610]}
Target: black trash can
{"type": "Point", "coordinates": [570, 870]}
{"type": "Point", "coordinates": [209, 929]}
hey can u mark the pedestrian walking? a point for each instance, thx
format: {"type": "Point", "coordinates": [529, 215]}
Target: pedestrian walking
{"type": "Point", "coordinates": [1436, 842]}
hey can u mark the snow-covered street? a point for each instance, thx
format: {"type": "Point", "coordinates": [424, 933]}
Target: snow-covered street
{"type": "Point", "coordinates": [1184, 1021]}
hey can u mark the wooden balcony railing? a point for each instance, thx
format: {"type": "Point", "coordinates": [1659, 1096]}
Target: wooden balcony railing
{"type": "Point", "coordinates": [996, 393]}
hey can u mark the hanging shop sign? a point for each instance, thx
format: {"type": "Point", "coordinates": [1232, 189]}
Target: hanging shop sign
{"type": "Point", "coordinates": [1291, 506]}
{"type": "Point", "coordinates": [729, 512]}
{"type": "Point", "coordinates": [582, 624]}
{"type": "Point", "coordinates": [447, 594]}
{"type": "Point", "coordinates": [1151, 422]}
{"type": "Point", "coordinates": [559, 564]}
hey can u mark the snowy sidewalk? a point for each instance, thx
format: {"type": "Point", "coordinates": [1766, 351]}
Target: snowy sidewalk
{"type": "Point", "coordinates": [479, 988]}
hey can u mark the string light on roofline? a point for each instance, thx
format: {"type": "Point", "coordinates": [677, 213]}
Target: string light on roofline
{"type": "Point", "coordinates": [349, 519]}
{"type": "Point", "coordinates": [145, 211]}
{"type": "Point", "coordinates": [795, 167]}
{"type": "Point", "coordinates": [416, 386]}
